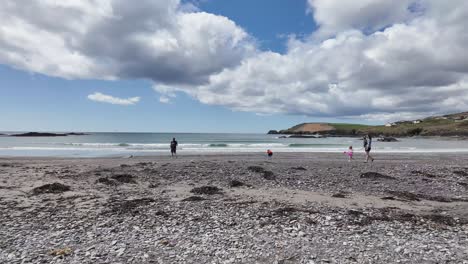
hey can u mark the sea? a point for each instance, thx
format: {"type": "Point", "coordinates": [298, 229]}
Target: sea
{"type": "Point", "coordinates": [152, 144]}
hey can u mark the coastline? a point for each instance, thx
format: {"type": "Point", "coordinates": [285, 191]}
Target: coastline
{"type": "Point", "coordinates": [294, 208]}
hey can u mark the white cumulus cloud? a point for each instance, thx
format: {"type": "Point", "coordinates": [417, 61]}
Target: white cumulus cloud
{"type": "Point", "coordinates": [413, 67]}
{"type": "Point", "coordinates": [162, 40]}
{"type": "Point", "coordinates": [164, 99]}
{"type": "Point", "coordinates": [369, 59]}
{"type": "Point", "coordinates": [104, 98]}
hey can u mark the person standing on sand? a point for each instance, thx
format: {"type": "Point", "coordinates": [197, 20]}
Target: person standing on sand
{"type": "Point", "coordinates": [349, 153]}
{"type": "Point", "coordinates": [368, 147]}
{"type": "Point", "coordinates": [174, 147]}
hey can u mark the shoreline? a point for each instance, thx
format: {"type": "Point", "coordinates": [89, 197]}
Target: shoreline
{"type": "Point", "coordinates": [259, 154]}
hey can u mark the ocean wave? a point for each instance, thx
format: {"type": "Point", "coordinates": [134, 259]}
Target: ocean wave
{"type": "Point", "coordinates": [165, 146]}
{"type": "Point", "coordinates": [218, 145]}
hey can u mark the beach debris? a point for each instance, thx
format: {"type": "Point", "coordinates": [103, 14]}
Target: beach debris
{"type": "Point", "coordinates": [61, 252]}
{"type": "Point", "coordinates": [408, 196]}
{"type": "Point", "coordinates": [124, 178]}
{"type": "Point", "coordinates": [208, 190]}
{"type": "Point", "coordinates": [130, 206]}
{"type": "Point", "coordinates": [236, 183]}
{"type": "Point", "coordinates": [284, 211]}
{"type": "Point", "coordinates": [429, 175]}
{"type": "Point", "coordinates": [6, 165]}
{"type": "Point", "coordinates": [256, 169]}
{"type": "Point", "coordinates": [376, 175]}
{"type": "Point", "coordinates": [153, 185]}
{"type": "Point", "coordinates": [405, 195]}
{"type": "Point", "coordinates": [387, 216]}
{"type": "Point", "coordinates": [339, 195]}
{"type": "Point", "coordinates": [161, 213]}
{"type": "Point", "coordinates": [51, 188]}
{"type": "Point", "coordinates": [461, 173]}
{"type": "Point", "coordinates": [193, 199]}
{"type": "Point", "coordinates": [221, 226]}
{"type": "Point", "coordinates": [107, 181]}
{"type": "Point", "coordinates": [299, 168]}
{"type": "Point", "coordinates": [267, 175]}
{"type": "Point", "coordinates": [441, 219]}
{"type": "Point", "coordinates": [354, 212]}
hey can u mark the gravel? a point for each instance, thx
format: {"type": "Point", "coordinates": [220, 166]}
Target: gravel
{"type": "Point", "coordinates": [153, 217]}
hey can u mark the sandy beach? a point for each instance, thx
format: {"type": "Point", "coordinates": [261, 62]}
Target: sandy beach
{"type": "Point", "coordinates": [237, 208]}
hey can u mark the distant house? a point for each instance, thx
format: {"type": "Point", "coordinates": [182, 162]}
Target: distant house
{"type": "Point", "coordinates": [417, 121]}
{"type": "Point", "coordinates": [389, 124]}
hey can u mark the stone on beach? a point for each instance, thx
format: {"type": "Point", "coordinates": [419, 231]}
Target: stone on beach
{"type": "Point", "coordinates": [208, 190]}
{"type": "Point", "coordinates": [51, 188]}
{"type": "Point", "coordinates": [376, 175]}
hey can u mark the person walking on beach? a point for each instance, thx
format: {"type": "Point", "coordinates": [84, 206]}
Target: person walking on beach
{"type": "Point", "coordinates": [368, 147]}
{"type": "Point", "coordinates": [174, 147]}
{"type": "Point", "coordinates": [349, 153]}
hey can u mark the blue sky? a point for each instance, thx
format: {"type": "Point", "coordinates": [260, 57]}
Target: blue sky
{"type": "Point", "coordinates": [38, 102]}
{"type": "Point", "coordinates": [228, 66]}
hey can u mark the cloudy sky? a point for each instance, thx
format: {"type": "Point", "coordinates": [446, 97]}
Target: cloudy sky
{"type": "Point", "coordinates": [228, 66]}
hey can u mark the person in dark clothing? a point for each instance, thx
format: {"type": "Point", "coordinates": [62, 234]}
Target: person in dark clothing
{"type": "Point", "coordinates": [368, 147]}
{"type": "Point", "coordinates": [174, 147]}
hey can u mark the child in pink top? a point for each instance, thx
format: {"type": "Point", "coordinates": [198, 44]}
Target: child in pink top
{"type": "Point", "coordinates": [349, 153]}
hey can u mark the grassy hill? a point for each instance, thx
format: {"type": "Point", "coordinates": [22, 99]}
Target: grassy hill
{"type": "Point", "coordinates": [448, 125]}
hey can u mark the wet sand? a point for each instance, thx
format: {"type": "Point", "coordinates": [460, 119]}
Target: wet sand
{"type": "Point", "coordinates": [294, 208]}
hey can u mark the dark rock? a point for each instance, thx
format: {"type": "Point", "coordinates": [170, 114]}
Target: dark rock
{"type": "Point", "coordinates": [236, 183]}
{"type": "Point", "coordinates": [208, 190]}
{"type": "Point", "coordinates": [355, 212]}
{"type": "Point", "coordinates": [194, 199]}
{"type": "Point", "coordinates": [77, 134]}
{"type": "Point", "coordinates": [257, 169]}
{"type": "Point", "coordinates": [305, 136]}
{"type": "Point", "coordinates": [461, 173]}
{"type": "Point", "coordinates": [299, 168]}
{"type": "Point", "coordinates": [405, 195]}
{"type": "Point", "coordinates": [37, 134]}
{"type": "Point", "coordinates": [375, 175]}
{"type": "Point", "coordinates": [417, 197]}
{"type": "Point", "coordinates": [106, 181]}
{"type": "Point", "coordinates": [339, 195]}
{"type": "Point", "coordinates": [268, 175]}
{"type": "Point", "coordinates": [162, 213]}
{"type": "Point", "coordinates": [51, 188]}
{"type": "Point", "coordinates": [144, 164]}
{"type": "Point", "coordinates": [273, 132]}
{"type": "Point", "coordinates": [124, 178]}
{"type": "Point", "coordinates": [441, 219]}
{"type": "Point", "coordinates": [391, 198]}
